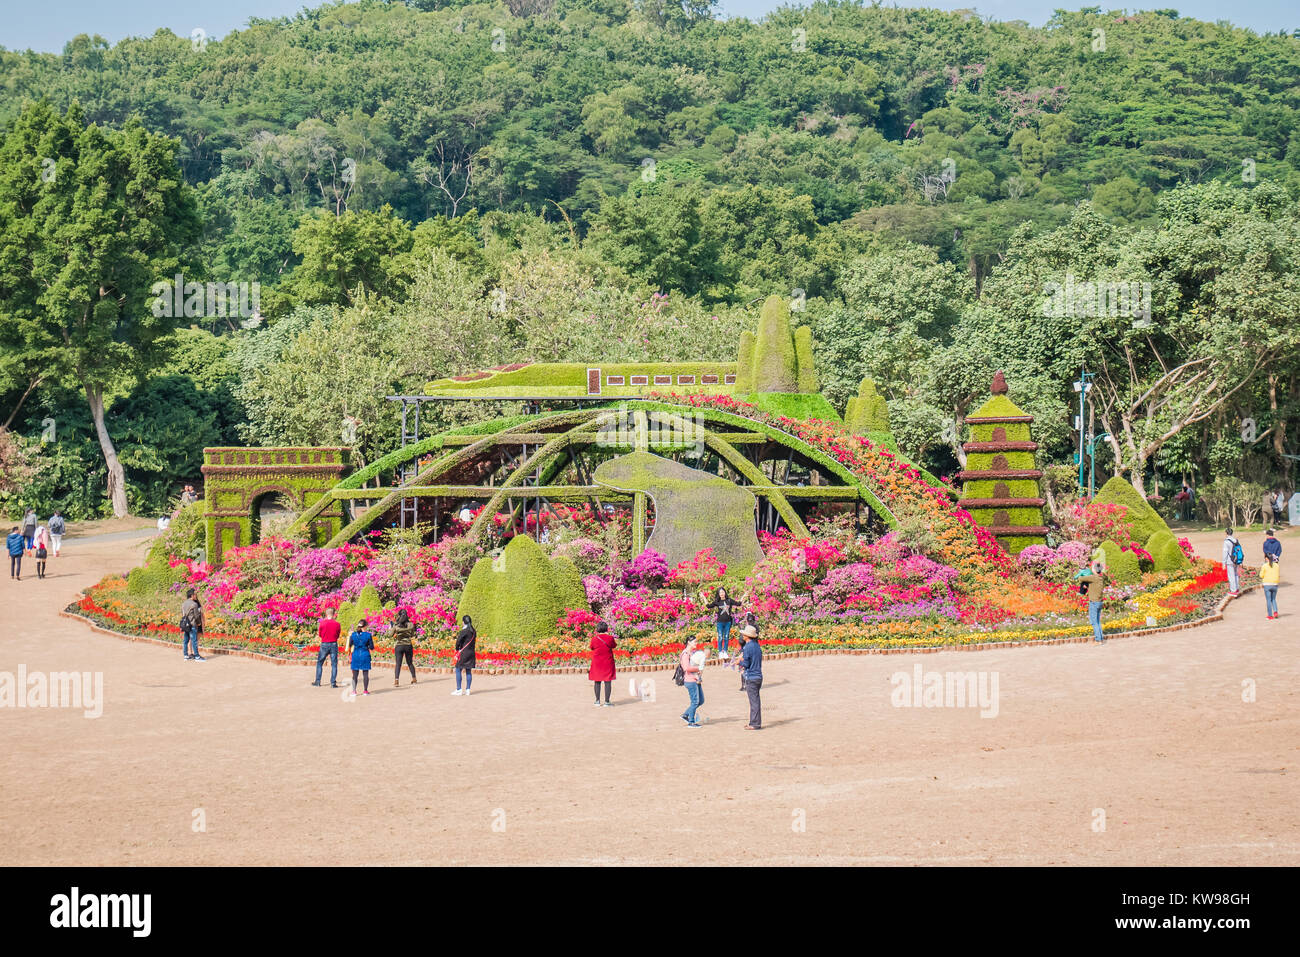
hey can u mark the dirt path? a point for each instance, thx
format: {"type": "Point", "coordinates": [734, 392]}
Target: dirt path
{"type": "Point", "coordinates": [1153, 732]}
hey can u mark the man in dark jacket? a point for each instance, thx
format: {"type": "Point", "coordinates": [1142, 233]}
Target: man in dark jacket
{"type": "Point", "coordinates": [1272, 546]}
{"type": "Point", "coordinates": [14, 543]}
{"type": "Point", "coordinates": [751, 663]}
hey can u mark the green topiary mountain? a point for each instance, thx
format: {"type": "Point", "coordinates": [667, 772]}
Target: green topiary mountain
{"type": "Point", "coordinates": [867, 411]}
{"type": "Point", "coordinates": [522, 593]}
{"type": "Point", "coordinates": [1166, 553]}
{"type": "Point", "coordinates": [1122, 566]}
{"type": "Point", "coordinates": [780, 359]}
{"type": "Point", "coordinates": [1144, 519]}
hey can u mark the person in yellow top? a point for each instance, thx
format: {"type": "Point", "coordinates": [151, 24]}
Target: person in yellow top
{"type": "Point", "coordinates": [1270, 574]}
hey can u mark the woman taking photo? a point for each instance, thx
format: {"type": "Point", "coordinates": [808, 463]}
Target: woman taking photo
{"type": "Point", "coordinates": [464, 657]}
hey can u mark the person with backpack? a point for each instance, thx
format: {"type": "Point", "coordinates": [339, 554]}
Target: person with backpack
{"type": "Point", "coordinates": [751, 660]}
{"type": "Point", "coordinates": [29, 529]}
{"type": "Point", "coordinates": [403, 646]}
{"type": "Point", "coordinates": [14, 543]}
{"type": "Point", "coordinates": [602, 662]}
{"type": "Point", "coordinates": [465, 657]}
{"type": "Point", "coordinates": [1233, 558]}
{"type": "Point", "coordinates": [1092, 584]}
{"type": "Point", "coordinates": [688, 671]}
{"type": "Point", "coordinates": [1270, 574]}
{"type": "Point", "coordinates": [57, 527]}
{"type": "Point", "coordinates": [191, 625]}
{"type": "Point", "coordinates": [360, 643]}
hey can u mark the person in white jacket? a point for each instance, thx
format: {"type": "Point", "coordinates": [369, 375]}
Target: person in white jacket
{"type": "Point", "coordinates": [1230, 549]}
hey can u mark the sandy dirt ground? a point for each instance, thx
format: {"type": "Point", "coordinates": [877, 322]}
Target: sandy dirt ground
{"type": "Point", "coordinates": [233, 761]}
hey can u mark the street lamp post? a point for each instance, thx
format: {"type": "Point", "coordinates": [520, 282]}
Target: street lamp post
{"type": "Point", "coordinates": [1082, 386]}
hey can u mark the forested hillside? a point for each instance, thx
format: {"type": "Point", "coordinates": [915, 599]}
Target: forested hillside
{"type": "Point", "coordinates": [425, 188]}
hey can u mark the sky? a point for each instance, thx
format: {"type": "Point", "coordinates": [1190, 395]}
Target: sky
{"type": "Point", "coordinates": [45, 25]}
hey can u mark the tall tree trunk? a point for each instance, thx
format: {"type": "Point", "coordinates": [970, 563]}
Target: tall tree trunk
{"type": "Point", "coordinates": [116, 476]}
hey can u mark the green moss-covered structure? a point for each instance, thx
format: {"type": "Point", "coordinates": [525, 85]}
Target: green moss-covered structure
{"type": "Point", "coordinates": [1166, 553]}
{"type": "Point", "coordinates": [521, 593]}
{"type": "Point", "coordinates": [694, 510]}
{"type": "Point", "coordinates": [1000, 481]}
{"type": "Point", "coordinates": [1144, 519]}
{"type": "Point", "coordinates": [1122, 566]}
{"type": "Point", "coordinates": [236, 480]}
{"type": "Point", "coordinates": [867, 412]}
{"type": "Point", "coordinates": [540, 380]}
{"type": "Point", "coordinates": [779, 358]}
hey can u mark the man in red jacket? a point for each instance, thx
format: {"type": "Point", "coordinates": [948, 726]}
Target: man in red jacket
{"type": "Point", "coordinates": [328, 631]}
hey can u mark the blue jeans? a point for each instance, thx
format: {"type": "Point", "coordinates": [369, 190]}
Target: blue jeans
{"type": "Point", "coordinates": [1270, 599]}
{"type": "Point", "coordinates": [188, 634]}
{"type": "Point", "coordinates": [696, 692]}
{"type": "Point", "coordinates": [724, 635]}
{"type": "Point", "coordinates": [469, 677]}
{"type": "Point", "coordinates": [330, 650]}
{"type": "Point", "coordinates": [1094, 619]}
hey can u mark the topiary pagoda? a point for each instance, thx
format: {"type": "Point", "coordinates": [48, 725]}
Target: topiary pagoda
{"type": "Point", "coordinates": [1000, 481]}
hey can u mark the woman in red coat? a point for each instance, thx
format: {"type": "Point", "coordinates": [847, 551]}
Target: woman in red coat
{"type": "Point", "coordinates": [602, 661]}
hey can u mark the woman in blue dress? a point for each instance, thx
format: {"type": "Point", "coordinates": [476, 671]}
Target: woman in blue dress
{"type": "Point", "coordinates": [360, 643]}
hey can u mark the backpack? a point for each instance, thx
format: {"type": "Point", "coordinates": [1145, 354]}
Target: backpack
{"type": "Point", "coordinates": [1238, 556]}
{"type": "Point", "coordinates": [679, 675]}
{"type": "Point", "coordinates": [56, 525]}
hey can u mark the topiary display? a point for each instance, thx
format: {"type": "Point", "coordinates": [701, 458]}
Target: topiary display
{"type": "Point", "coordinates": [155, 575]}
{"type": "Point", "coordinates": [745, 363]}
{"type": "Point", "coordinates": [694, 510]}
{"type": "Point", "coordinates": [1166, 552]}
{"type": "Point", "coordinates": [1122, 566]}
{"type": "Point", "coordinates": [775, 366]}
{"type": "Point", "coordinates": [867, 411]}
{"type": "Point", "coordinates": [803, 358]}
{"type": "Point", "coordinates": [1144, 519]}
{"type": "Point", "coordinates": [522, 593]}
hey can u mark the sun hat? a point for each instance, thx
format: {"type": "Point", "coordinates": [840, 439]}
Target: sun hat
{"type": "Point", "coordinates": [750, 631]}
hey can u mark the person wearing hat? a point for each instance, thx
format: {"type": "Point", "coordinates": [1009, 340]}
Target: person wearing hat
{"type": "Point", "coordinates": [751, 663]}
{"type": "Point", "coordinates": [751, 625]}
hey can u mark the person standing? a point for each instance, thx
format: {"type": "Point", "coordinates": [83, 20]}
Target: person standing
{"type": "Point", "coordinates": [750, 622]}
{"type": "Point", "coordinates": [751, 660]}
{"type": "Point", "coordinates": [1095, 580]}
{"type": "Point", "coordinates": [191, 625]}
{"type": "Point", "coordinates": [29, 529]}
{"type": "Point", "coordinates": [602, 661]}
{"type": "Point", "coordinates": [403, 646]}
{"type": "Point", "coordinates": [328, 632]}
{"type": "Point", "coordinates": [1232, 560]}
{"type": "Point", "coordinates": [360, 643]}
{"type": "Point", "coordinates": [14, 543]}
{"type": "Point", "coordinates": [724, 605]}
{"type": "Point", "coordinates": [42, 550]}
{"type": "Point", "coordinates": [1270, 574]}
{"type": "Point", "coordinates": [694, 686]}
{"type": "Point", "coordinates": [465, 657]}
{"type": "Point", "coordinates": [1272, 546]}
{"type": "Point", "coordinates": [57, 527]}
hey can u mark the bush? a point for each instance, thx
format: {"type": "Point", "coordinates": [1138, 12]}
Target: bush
{"type": "Point", "coordinates": [1142, 518]}
{"type": "Point", "coordinates": [1122, 566]}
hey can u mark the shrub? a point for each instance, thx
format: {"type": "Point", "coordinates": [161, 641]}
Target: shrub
{"type": "Point", "coordinates": [1142, 518]}
{"type": "Point", "coordinates": [647, 570]}
{"type": "Point", "coordinates": [1123, 566]}
{"type": "Point", "coordinates": [1094, 522]}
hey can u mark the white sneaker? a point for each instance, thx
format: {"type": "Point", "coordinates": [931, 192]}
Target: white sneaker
{"type": "Point", "coordinates": [465, 692]}
{"type": "Point", "coordinates": [456, 692]}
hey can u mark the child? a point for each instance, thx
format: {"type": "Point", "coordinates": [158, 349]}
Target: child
{"type": "Point", "coordinates": [41, 553]}
{"type": "Point", "coordinates": [1269, 574]}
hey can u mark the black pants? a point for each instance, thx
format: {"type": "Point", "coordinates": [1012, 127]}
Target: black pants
{"type": "Point", "coordinates": [752, 687]}
{"type": "Point", "coordinates": [15, 565]}
{"type": "Point", "coordinates": [40, 568]}
{"type": "Point", "coordinates": [607, 684]}
{"type": "Point", "coordinates": [407, 652]}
